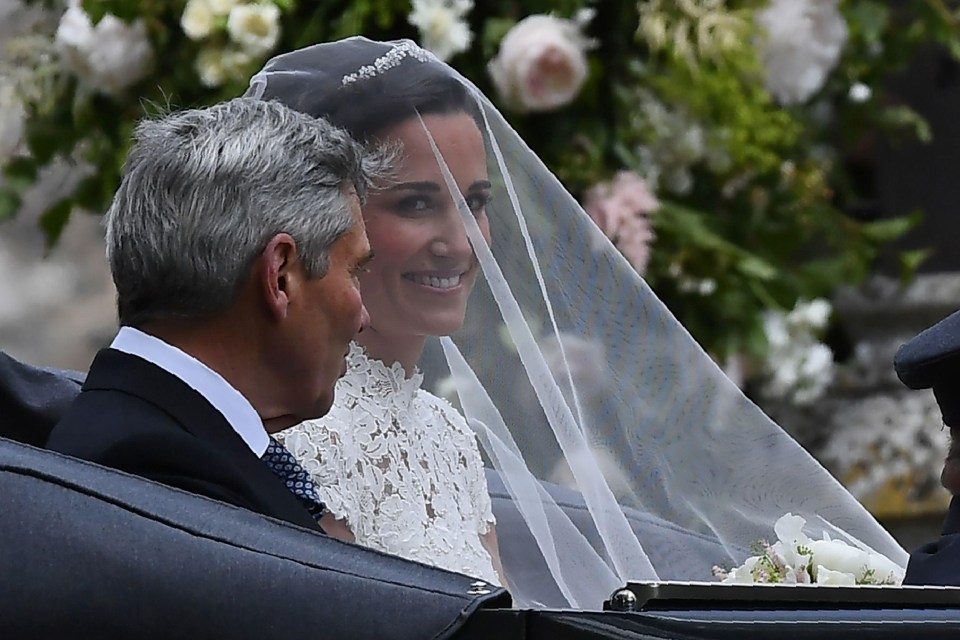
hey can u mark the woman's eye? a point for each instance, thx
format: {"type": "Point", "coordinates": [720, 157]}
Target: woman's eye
{"type": "Point", "coordinates": [477, 202]}
{"type": "Point", "coordinates": [414, 204]}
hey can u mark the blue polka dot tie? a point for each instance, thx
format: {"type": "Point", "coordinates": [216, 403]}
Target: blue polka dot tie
{"type": "Point", "coordinates": [298, 481]}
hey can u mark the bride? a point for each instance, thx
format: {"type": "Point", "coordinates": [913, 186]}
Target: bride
{"type": "Point", "coordinates": [397, 466]}
{"type": "Point", "coordinates": [566, 368]}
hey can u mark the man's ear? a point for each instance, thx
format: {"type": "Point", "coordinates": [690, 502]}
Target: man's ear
{"type": "Point", "coordinates": [278, 275]}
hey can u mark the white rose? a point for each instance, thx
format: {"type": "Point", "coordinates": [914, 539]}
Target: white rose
{"type": "Point", "coordinates": [74, 38]}
{"type": "Point", "coordinates": [789, 530]}
{"type": "Point", "coordinates": [235, 63]}
{"type": "Point", "coordinates": [803, 41]}
{"type": "Point", "coordinates": [839, 578]}
{"type": "Point", "coordinates": [217, 66]}
{"type": "Point", "coordinates": [109, 57]}
{"type": "Point", "coordinates": [209, 66]}
{"type": "Point", "coordinates": [541, 64]}
{"type": "Point", "coordinates": [839, 556]}
{"type": "Point", "coordinates": [121, 56]}
{"type": "Point", "coordinates": [255, 27]}
{"type": "Point", "coordinates": [198, 19]}
{"type": "Point", "coordinates": [442, 28]}
{"type": "Point", "coordinates": [814, 314]}
{"type": "Point", "coordinates": [744, 573]}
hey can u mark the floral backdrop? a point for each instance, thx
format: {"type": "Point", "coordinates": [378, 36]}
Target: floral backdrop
{"type": "Point", "coordinates": [720, 144]}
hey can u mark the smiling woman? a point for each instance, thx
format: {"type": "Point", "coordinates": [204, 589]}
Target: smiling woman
{"type": "Point", "coordinates": [398, 468]}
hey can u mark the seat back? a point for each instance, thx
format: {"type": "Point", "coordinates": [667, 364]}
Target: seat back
{"type": "Point", "coordinates": [92, 552]}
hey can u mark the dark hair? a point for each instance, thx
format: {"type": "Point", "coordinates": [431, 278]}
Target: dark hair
{"type": "Point", "coordinates": [310, 80]}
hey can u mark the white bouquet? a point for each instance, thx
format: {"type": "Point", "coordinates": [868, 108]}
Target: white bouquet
{"type": "Point", "coordinates": [796, 559]}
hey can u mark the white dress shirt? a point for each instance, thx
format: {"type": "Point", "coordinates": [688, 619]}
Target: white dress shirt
{"type": "Point", "coordinates": [236, 409]}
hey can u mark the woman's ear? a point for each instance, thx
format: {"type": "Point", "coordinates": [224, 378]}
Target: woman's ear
{"type": "Point", "coordinates": [278, 274]}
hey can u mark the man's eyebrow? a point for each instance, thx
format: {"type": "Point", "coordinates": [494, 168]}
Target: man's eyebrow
{"type": "Point", "coordinates": [415, 186]}
{"type": "Point", "coordinates": [480, 185]}
{"type": "Point", "coordinates": [365, 260]}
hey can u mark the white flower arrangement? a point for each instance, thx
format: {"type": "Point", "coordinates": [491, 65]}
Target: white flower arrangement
{"type": "Point", "coordinates": [252, 30]}
{"type": "Point", "coordinates": [542, 63]}
{"type": "Point", "coordinates": [198, 20]}
{"type": "Point", "coordinates": [255, 27]}
{"type": "Point", "coordinates": [106, 58]}
{"type": "Point", "coordinates": [799, 367]}
{"type": "Point", "coordinates": [802, 44]}
{"type": "Point", "coordinates": [796, 559]}
{"type": "Point", "coordinates": [443, 31]}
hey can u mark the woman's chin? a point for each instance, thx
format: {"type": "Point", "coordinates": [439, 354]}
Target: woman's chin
{"type": "Point", "coordinates": [442, 323]}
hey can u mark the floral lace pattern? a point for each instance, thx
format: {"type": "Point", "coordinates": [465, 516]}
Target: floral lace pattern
{"type": "Point", "coordinates": [401, 466]}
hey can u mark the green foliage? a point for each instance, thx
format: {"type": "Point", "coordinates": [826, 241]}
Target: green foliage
{"type": "Point", "coordinates": [753, 193]}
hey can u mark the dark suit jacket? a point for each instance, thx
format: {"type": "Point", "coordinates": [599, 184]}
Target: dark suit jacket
{"type": "Point", "coordinates": [134, 416]}
{"type": "Point", "coordinates": [32, 399]}
{"type": "Point", "coordinates": [938, 563]}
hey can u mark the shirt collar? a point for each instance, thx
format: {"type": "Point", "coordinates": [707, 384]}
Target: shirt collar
{"type": "Point", "coordinates": [236, 409]}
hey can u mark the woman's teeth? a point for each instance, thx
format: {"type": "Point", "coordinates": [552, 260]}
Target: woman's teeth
{"type": "Point", "coordinates": [436, 283]}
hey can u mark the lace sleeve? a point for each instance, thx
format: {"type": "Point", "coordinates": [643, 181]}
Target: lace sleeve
{"type": "Point", "coordinates": [481, 494]}
{"type": "Point", "coordinates": [472, 464]}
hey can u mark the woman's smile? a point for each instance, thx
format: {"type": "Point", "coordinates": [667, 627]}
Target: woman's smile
{"type": "Point", "coordinates": [447, 282]}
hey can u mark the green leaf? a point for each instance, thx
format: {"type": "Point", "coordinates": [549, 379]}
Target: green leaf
{"type": "Point", "coordinates": [870, 19]}
{"type": "Point", "coordinates": [54, 220]}
{"type": "Point", "coordinates": [903, 117]}
{"type": "Point", "coordinates": [751, 265]}
{"type": "Point", "coordinates": [910, 261]}
{"type": "Point", "coordinates": [9, 203]}
{"type": "Point", "coordinates": [22, 168]}
{"type": "Point", "coordinates": [44, 142]}
{"type": "Point", "coordinates": [890, 229]}
{"type": "Point", "coordinates": [493, 33]}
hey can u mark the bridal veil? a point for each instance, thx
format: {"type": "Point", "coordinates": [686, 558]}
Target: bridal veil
{"type": "Point", "coordinates": [625, 451]}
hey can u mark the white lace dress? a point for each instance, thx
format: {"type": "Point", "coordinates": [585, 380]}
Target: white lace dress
{"type": "Point", "coordinates": [401, 466]}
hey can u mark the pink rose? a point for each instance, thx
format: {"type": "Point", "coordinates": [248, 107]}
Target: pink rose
{"type": "Point", "coordinates": [542, 63]}
{"type": "Point", "coordinates": [622, 208]}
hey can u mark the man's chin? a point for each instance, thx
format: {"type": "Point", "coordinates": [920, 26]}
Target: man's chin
{"type": "Point", "coordinates": [279, 423]}
{"type": "Point", "coordinates": [950, 477]}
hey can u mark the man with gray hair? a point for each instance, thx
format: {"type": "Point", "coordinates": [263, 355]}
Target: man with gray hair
{"type": "Point", "coordinates": [235, 241]}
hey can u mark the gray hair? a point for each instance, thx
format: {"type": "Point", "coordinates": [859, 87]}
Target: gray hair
{"type": "Point", "coordinates": [203, 192]}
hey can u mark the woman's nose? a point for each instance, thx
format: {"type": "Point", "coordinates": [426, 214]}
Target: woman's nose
{"type": "Point", "coordinates": [451, 239]}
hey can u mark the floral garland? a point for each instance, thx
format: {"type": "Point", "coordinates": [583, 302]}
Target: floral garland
{"type": "Point", "coordinates": [701, 135]}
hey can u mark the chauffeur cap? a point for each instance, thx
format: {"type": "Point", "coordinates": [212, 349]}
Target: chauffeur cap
{"type": "Point", "coordinates": [932, 360]}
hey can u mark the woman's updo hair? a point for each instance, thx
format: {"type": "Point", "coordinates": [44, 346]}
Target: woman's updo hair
{"type": "Point", "coordinates": [311, 80]}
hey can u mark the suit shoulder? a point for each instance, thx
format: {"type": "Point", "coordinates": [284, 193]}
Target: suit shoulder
{"type": "Point", "coordinates": [98, 419]}
{"type": "Point", "coordinates": [123, 432]}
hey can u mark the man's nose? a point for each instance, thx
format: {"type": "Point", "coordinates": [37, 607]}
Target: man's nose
{"type": "Point", "coordinates": [364, 318]}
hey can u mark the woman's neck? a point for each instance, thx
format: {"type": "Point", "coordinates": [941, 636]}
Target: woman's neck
{"type": "Point", "coordinates": [390, 349]}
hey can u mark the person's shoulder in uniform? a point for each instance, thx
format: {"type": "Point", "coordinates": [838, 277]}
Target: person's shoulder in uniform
{"type": "Point", "coordinates": [931, 360]}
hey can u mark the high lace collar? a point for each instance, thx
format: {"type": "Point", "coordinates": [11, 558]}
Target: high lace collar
{"type": "Point", "coordinates": [379, 378]}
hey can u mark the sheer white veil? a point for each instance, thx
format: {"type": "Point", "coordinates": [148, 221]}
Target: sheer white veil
{"type": "Point", "coordinates": [624, 450]}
